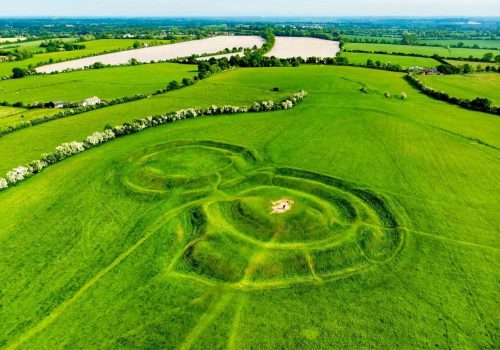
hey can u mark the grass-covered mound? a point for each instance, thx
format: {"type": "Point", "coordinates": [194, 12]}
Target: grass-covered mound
{"type": "Point", "coordinates": [100, 250]}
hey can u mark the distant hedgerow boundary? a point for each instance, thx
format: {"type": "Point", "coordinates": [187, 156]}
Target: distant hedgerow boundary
{"type": "Point", "coordinates": [478, 104]}
{"type": "Point", "coordinates": [68, 149]}
{"type": "Point", "coordinates": [173, 85]}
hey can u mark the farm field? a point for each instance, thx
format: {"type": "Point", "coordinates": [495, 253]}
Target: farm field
{"type": "Point", "coordinates": [404, 61]}
{"type": "Point", "coordinates": [288, 47]}
{"type": "Point", "coordinates": [164, 239]}
{"type": "Point", "coordinates": [146, 55]}
{"type": "Point", "coordinates": [486, 44]}
{"type": "Point", "coordinates": [105, 83]}
{"type": "Point", "coordinates": [11, 116]}
{"type": "Point", "coordinates": [421, 50]}
{"type": "Point", "coordinates": [388, 39]}
{"type": "Point", "coordinates": [10, 40]}
{"type": "Point", "coordinates": [33, 46]}
{"type": "Point", "coordinates": [92, 47]}
{"type": "Point", "coordinates": [483, 44]}
{"type": "Point", "coordinates": [472, 63]}
{"type": "Point", "coordinates": [468, 86]}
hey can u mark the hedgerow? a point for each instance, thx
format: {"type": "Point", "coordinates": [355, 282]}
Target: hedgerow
{"type": "Point", "coordinates": [478, 104]}
{"type": "Point", "coordinates": [69, 149]}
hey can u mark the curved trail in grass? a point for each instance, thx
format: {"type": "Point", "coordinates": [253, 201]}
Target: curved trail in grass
{"type": "Point", "coordinates": [334, 230]}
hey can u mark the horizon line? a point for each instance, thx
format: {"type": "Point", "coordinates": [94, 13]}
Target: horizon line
{"type": "Point", "coordinates": [250, 16]}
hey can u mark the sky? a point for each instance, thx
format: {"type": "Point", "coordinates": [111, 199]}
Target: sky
{"type": "Point", "coordinates": [219, 8]}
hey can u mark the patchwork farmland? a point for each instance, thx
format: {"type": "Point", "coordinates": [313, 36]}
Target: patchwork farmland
{"type": "Point", "coordinates": [287, 194]}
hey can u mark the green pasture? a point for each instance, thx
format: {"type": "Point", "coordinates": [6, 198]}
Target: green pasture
{"type": "Point", "coordinates": [33, 46]}
{"type": "Point", "coordinates": [421, 50]}
{"type": "Point", "coordinates": [467, 86]}
{"type": "Point", "coordinates": [11, 116]}
{"type": "Point", "coordinates": [485, 44]}
{"type": "Point", "coordinates": [92, 47]}
{"type": "Point", "coordinates": [106, 83]}
{"type": "Point", "coordinates": [481, 43]}
{"type": "Point", "coordinates": [404, 61]}
{"type": "Point", "coordinates": [164, 239]}
{"type": "Point", "coordinates": [473, 64]}
{"type": "Point", "coordinates": [368, 37]}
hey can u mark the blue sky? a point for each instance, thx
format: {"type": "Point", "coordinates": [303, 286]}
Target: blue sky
{"type": "Point", "coordinates": [331, 8]}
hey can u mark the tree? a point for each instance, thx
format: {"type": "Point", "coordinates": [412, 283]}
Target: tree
{"type": "Point", "coordinates": [19, 72]}
{"type": "Point", "coordinates": [488, 57]}
{"type": "Point", "coordinates": [173, 85]}
{"type": "Point", "coordinates": [467, 68]}
{"type": "Point", "coordinates": [187, 82]}
{"type": "Point", "coordinates": [483, 104]}
{"type": "Point", "coordinates": [409, 38]}
{"type": "Point", "coordinates": [137, 45]}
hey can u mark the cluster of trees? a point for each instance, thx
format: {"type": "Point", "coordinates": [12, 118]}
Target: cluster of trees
{"type": "Point", "coordinates": [478, 104]}
{"type": "Point", "coordinates": [15, 55]}
{"type": "Point", "coordinates": [19, 72]}
{"type": "Point", "coordinates": [212, 66]}
{"type": "Point", "coordinates": [68, 149]}
{"type": "Point", "coordinates": [59, 45]}
{"type": "Point", "coordinates": [466, 69]}
{"type": "Point", "coordinates": [386, 66]}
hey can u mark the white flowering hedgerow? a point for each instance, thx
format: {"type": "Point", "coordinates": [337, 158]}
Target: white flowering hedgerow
{"type": "Point", "coordinates": [18, 174]}
{"type": "Point", "coordinates": [99, 137]}
{"type": "Point", "coordinates": [36, 166]}
{"type": "Point", "coordinates": [71, 148]}
{"type": "Point", "coordinates": [287, 104]}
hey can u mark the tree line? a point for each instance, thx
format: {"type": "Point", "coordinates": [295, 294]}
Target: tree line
{"type": "Point", "coordinates": [478, 104]}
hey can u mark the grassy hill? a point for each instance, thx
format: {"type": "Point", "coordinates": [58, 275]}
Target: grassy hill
{"type": "Point", "coordinates": [164, 238]}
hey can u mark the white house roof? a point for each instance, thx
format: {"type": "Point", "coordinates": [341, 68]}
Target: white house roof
{"type": "Point", "coordinates": [94, 99]}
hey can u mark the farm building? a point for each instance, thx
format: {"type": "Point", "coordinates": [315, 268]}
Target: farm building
{"type": "Point", "coordinates": [91, 101]}
{"type": "Point", "coordinates": [54, 104]}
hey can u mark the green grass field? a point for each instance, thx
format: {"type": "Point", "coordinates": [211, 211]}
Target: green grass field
{"type": "Point", "coordinates": [486, 44]}
{"type": "Point", "coordinates": [483, 44]}
{"type": "Point", "coordinates": [421, 50]}
{"type": "Point", "coordinates": [472, 63]}
{"type": "Point", "coordinates": [92, 47]}
{"type": "Point", "coordinates": [403, 61]}
{"type": "Point", "coordinates": [368, 37]}
{"type": "Point", "coordinates": [33, 46]}
{"type": "Point", "coordinates": [106, 83]}
{"type": "Point", "coordinates": [11, 116]}
{"type": "Point", "coordinates": [467, 86]}
{"type": "Point", "coordinates": [164, 239]}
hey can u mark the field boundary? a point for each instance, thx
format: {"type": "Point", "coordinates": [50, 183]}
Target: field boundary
{"type": "Point", "coordinates": [478, 104]}
{"type": "Point", "coordinates": [68, 149]}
